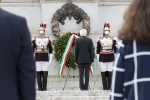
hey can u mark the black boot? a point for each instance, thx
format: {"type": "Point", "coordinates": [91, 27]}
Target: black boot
{"type": "Point", "coordinates": [107, 74]}
{"type": "Point", "coordinates": [45, 75]}
{"type": "Point", "coordinates": [109, 80]}
{"type": "Point", "coordinates": [104, 82]}
{"type": "Point", "coordinates": [39, 80]}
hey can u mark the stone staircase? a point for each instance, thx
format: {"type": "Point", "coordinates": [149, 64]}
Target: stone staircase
{"type": "Point", "coordinates": [60, 89]}
{"type": "Point", "coordinates": [73, 95]}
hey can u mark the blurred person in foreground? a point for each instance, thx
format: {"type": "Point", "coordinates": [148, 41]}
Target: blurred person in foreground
{"type": "Point", "coordinates": [17, 67]}
{"type": "Point", "coordinates": [131, 72]}
{"type": "Point", "coordinates": [84, 58]}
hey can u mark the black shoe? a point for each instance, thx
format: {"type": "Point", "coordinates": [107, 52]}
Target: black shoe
{"type": "Point", "coordinates": [44, 89]}
{"type": "Point", "coordinates": [40, 90]}
{"type": "Point", "coordinates": [82, 87]}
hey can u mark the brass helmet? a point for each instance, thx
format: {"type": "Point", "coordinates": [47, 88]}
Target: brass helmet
{"type": "Point", "coordinates": [106, 29]}
{"type": "Point", "coordinates": [41, 30]}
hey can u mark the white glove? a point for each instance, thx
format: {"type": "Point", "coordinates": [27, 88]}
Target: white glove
{"type": "Point", "coordinates": [50, 59]}
{"type": "Point", "coordinates": [32, 38]}
{"type": "Point", "coordinates": [115, 55]}
{"type": "Point", "coordinates": [97, 57]}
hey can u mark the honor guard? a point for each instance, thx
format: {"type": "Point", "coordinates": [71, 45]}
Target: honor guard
{"type": "Point", "coordinates": [43, 57]}
{"type": "Point", "coordinates": [105, 55]}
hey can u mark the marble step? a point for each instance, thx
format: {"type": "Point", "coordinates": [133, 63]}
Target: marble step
{"type": "Point", "coordinates": [73, 95]}
{"type": "Point", "coordinates": [70, 89]}
{"type": "Point", "coordinates": [73, 84]}
{"type": "Point", "coordinates": [74, 98]}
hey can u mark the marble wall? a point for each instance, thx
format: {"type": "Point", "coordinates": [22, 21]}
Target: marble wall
{"type": "Point", "coordinates": [99, 11]}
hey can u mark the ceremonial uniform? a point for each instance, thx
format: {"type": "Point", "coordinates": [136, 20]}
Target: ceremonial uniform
{"type": "Point", "coordinates": [105, 55]}
{"type": "Point", "coordinates": [43, 56]}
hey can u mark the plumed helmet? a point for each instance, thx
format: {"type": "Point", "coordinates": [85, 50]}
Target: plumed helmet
{"type": "Point", "coordinates": [83, 32]}
{"type": "Point", "coordinates": [107, 26]}
{"type": "Point", "coordinates": [106, 29]}
{"type": "Point", "coordinates": [41, 27]}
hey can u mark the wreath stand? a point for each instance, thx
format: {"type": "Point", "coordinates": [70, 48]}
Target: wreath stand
{"type": "Point", "coordinates": [66, 80]}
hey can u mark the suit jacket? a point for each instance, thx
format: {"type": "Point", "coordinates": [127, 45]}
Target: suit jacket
{"type": "Point", "coordinates": [84, 50]}
{"type": "Point", "coordinates": [17, 66]}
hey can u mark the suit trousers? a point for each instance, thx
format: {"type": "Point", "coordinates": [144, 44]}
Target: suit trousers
{"type": "Point", "coordinates": [84, 69]}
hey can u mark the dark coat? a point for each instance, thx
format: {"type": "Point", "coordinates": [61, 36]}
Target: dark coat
{"type": "Point", "coordinates": [84, 50]}
{"type": "Point", "coordinates": [131, 74]}
{"type": "Point", "coordinates": [17, 67]}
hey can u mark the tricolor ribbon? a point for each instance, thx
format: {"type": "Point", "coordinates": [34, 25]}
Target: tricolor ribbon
{"type": "Point", "coordinates": [65, 56]}
{"type": "Point", "coordinates": [92, 69]}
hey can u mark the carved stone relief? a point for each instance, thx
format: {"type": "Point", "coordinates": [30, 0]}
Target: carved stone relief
{"type": "Point", "coordinates": [69, 10]}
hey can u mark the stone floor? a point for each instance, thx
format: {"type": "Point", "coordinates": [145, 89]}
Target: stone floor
{"type": "Point", "coordinates": [58, 89]}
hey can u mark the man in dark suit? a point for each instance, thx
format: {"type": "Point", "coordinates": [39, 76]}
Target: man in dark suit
{"type": "Point", "coordinates": [84, 57]}
{"type": "Point", "coordinates": [17, 66]}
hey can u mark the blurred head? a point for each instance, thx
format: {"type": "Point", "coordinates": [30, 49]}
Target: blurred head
{"type": "Point", "coordinates": [137, 22]}
{"type": "Point", "coordinates": [106, 29]}
{"type": "Point", "coordinates": [83, 32]}
{"type": "Point", "coordinates": [41, 30]}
